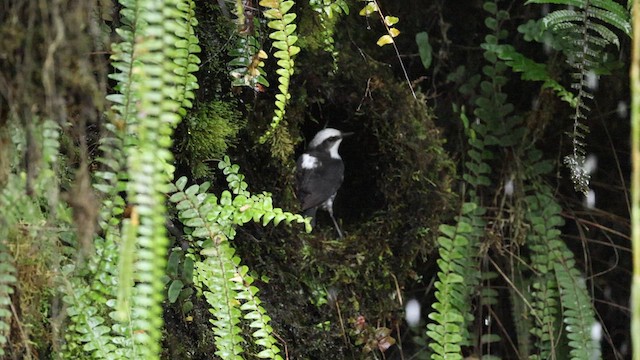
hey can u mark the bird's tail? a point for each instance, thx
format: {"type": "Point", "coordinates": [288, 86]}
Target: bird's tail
{"type": "Point", "coordinates": [311, 212]}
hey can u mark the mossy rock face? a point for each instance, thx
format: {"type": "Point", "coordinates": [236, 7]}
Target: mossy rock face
{"type": "Point", "coordinates": [329, 297]}
{"type": "Point", "coordinates": [397, 190]}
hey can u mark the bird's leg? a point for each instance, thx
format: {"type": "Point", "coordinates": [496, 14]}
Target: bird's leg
{"type": "Point", "coordinates": [335, 223]}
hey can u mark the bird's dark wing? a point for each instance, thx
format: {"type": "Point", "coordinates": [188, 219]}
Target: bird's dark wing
{"type": "Point", "coordinates": [315, 186]}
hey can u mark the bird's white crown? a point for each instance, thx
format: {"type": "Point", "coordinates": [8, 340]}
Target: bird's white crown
{"type": "Point", "coordinates": [323, 135]}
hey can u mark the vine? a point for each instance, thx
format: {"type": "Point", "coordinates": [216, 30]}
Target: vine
{"type": "Point", "coordinates": [372, 7]}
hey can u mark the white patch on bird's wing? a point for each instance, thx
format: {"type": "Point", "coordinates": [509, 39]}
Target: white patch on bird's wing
{"type": "Point", "coordinates": [309, 162]}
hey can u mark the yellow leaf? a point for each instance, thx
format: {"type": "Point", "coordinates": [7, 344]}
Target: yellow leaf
{"type": "Point", "coordinates": [391, 20]}
{"type": "Point", "coordinates": [384, 40]}
{"type": "Point", "coordinates": [262, 54]}
{"type": "Point", "coordinates": [269, 3]}
{"type": "Point", "coordinates": [394, 32]}
{"type": "Point", "coordinates": [369, 9]}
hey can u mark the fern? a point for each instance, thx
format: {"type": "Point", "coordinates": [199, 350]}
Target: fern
{"type": "Point", "coordinates": [284, 39]}
{"type": "Point", "coordinates": [185, 48]}
{"type": "Point", "coordinates": [7, 282]}
{"type": "Point", "coordinates": [556, 291]}
{"type": "Point", "coordinates": [530, 70]}
{"type": "Point", "coordinates": [586, 28]}
{"type": "Point", "coordinates": [578, 313]}
{"type": "Point", "coordinates": [114, 303]}
{"type": "Point", "coordinates": [247, 55]}
{"type": "Point", "coordinates": [226, 284]}
{"type": "Point", "coordinates": [148, 162]}
{"type": "Point", "coordinates": [328, 12]}
{"type": "Point", "coordinates": [456, 281]}
{"type": "Point", "coordinates": [248, 63]}
{"type": "Point", "coordinates": [559, 282]}
{"type": "Point", "coordinates": [88, 334]}
{"type": "Point", "coordinates": [29, 216]}
{"type": "Point", "coordinates": [214, 273]}
{"type": "Point", "coordinates": [544, 286]}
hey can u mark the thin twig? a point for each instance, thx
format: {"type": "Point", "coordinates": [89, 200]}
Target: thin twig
{"type": "Point", "coordinates": [25, 340]}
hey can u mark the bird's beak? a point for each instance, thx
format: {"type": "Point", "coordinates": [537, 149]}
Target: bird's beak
{"type": "Point", "coordinates": [346, 134]}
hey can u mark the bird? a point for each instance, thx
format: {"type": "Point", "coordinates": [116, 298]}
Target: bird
{"type": "Point", "coordinates": [319, 174]}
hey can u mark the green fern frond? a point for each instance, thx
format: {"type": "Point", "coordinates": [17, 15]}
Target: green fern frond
{"type": "Point", "coordinates": [577, 312]}
{"type": "Point", "coordinates": [248, 63]}
{"type": "Point", "coordinates": [284, 39]}
{"type": "Point", "coordinates": [215, 273]}
{"type": "Point", "coordinates": [607, 11]}
{"type": "Point", "coordinates": [121, 288]}
{"type": "Point", "coordinates": [110, 179]}
{"type": "Point", "coordinates": [7, 281]}
{"type": "Point", "coordinates": [88, 334]}
{"type": "Point", "coordinates": [149, 161]}
{"type": "Point", "coordinates": [257, 315]}
{"type": "Point", "coordinates": [544, 304]}
{"type": "Point", "coordinates": [587, 29]}
{"type": "Point", "coordinates": [541, 214]}
{"type": "Point", "coordinates": [186, 50]}
{"type": "Point", "coordinates": [557, 275]}
{"type": "Point", "coordinates": [328, 12]}
{"type": "Point", "coordinates": [456, 280]}
{"type": "Point", "coordinates": [226, 284]}
{"type": "Point", "coordinates": [531, 70]}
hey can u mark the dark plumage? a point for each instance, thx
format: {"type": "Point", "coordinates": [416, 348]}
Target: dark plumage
{"type": "Point", "coordinates": [319, 174]}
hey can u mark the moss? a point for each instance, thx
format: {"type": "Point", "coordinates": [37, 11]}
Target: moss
{"type": "Point", "coordinates": [209, 131]}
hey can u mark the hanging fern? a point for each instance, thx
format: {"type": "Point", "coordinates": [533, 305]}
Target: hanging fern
{"type": "Point", "coordinates": [586, 27]}
{"type": "Point", "coordinates": [155, 75]}
{"type": "Point", "coordinates": [530, 70]}
{"type": "Point", "coordinates": [186, 59]}
{"type": "Point", "coordinates": [555, 293]}
{"type": "Point", "coordinates": [457, 279]}
{"type": "Point", "coordinates": [226, 284]}
{"type": "Point", "coordinates": [284, 39]}
{"type": "Point", "coordinates": [7, 281]}
{"type": "Point", "coordinates": [248, 63]}
{"type": "Point", "coordinates": [558, 282]}
{"type": "Point", "coordinates": [247, 55]}
{"type": "Point", "coordinates": [25, 216]}
{"type": "Point", "coordinates": [114, 303]}
{"type": "Point", "coordinates": [545, 296]}
{"type": "Point", "coordinates": [328, 12]}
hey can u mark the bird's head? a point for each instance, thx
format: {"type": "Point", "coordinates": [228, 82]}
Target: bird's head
{"type": "Point", "coordinates": [328, 140]}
